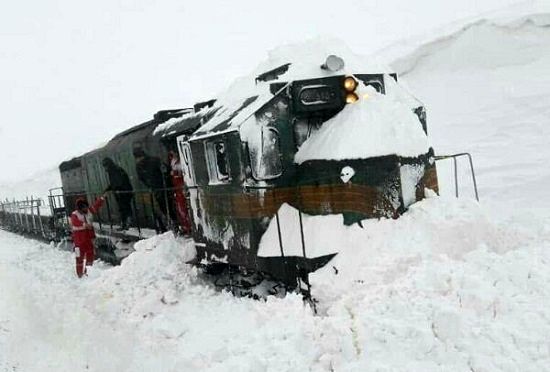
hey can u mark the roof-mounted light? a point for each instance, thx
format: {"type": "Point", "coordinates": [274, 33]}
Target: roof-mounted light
{"type": "Point", "coordinates": [333, 63]}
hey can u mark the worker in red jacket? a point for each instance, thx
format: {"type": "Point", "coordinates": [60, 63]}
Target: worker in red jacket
{"type": "Point", "coordinates": [83, 233]}
{"type": "Point", "coordinates": [176, 172]}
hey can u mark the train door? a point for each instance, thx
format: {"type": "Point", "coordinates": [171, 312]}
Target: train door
{"type": "Point", "coordinates": [186, 160]}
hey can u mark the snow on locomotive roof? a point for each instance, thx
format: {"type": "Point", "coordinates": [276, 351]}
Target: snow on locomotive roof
{"type": "Point", "coordinates": [307, 57]}
{"type": "Point", "coordinates": [376, 125]}
{"type": "Point", "coordinates": [300, 61]}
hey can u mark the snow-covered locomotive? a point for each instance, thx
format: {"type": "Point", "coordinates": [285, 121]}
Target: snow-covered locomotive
{"type": "Point", "coordinates": [311, 137]}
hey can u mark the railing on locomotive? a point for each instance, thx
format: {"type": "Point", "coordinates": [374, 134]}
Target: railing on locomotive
{"type": "Point", "coordinates": [139, 220]}
{"type": "Point", "coordinates": [454, 158]}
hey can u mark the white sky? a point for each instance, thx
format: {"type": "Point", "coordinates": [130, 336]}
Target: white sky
{"type": "Point", "coordinates": [74, 73]}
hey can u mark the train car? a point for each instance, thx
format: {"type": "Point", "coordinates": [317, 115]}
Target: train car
{"type": "Point", "coordinates": [252, 151]}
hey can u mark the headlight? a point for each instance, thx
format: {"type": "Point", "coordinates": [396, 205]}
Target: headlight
{"type": "Point", "coordinates": [351, 98]}
{"type": "Point", "coordinates": [350, 84]}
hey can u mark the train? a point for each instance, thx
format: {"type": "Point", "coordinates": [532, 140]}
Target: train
{"type": "Point", "coordinates": [238, 153]}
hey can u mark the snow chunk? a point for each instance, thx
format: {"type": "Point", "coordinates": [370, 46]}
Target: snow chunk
{"type": "Point", "coordinates": [317, 244]}
{"type": "Point", "coordinates": [166, 125]}
{"type": "Point", "coordinates": [376, 125]}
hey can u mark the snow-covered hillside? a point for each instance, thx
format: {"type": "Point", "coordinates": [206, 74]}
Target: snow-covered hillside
{"type": "Point", "coordinates": [487, 91]}
{"type": "Point", "coordinates": [36, 185]}
{"type": "Point", "coordinates": [453, 285]}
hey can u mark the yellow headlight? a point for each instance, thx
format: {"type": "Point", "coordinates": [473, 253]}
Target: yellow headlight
{"type": "Point", "coordinates": [350, 84]}
{"type": "Point", "coordinates": [351, 98]}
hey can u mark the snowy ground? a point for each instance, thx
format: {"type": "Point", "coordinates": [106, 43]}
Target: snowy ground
{"type": "Point", "coordinates": [450, 286]}
{"type": "Point", "coordinates": [442, 287]}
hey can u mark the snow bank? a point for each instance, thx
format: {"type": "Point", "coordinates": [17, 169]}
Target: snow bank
{"type": "Point", "coordinates": [403, 56]}
{"type": "Point", "coordinates": [432, 230]}
{"type": "Point", "coordinates": [441, 287]}
{"type": "Point", "coordinates": [160, 260]}
{"type": "Point", "coordinates": [486, 88]}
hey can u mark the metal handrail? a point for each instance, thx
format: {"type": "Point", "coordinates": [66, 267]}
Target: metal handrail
{"type": "Point", "coordinates": [455, 169]}
{"type": "Point", "coordinates": [155, 217]}
{"type": "Point", "coordinates": [22, 216]}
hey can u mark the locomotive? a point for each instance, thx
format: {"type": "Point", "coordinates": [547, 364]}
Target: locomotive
{"type": "Point", "coordinates": [239, 156]}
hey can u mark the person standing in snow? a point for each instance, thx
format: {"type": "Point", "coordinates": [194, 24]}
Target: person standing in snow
{"type": "Point", "coordinates": [176, 172]}
{"type": "Point", "coordinates": [83, 233]}
{"type": "Point", "coordinates": [152, 172]}
{"type": "Point", "coordinates": [120, 184]}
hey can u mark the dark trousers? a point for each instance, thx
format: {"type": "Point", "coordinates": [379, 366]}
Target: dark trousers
{"type": "Point", "coordinates": [124, 202]}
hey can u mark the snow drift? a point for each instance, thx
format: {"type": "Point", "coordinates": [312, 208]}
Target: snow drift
{"type": "Point", "coordinates": [486, 89]}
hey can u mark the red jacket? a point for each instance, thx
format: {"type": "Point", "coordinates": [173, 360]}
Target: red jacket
{"type": "Point", "coordinates": [84, 235]}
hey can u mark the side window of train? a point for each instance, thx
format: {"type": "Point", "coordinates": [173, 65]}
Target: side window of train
{"type": "Point", "coordinates": [265, 156]}
{"type": "Point", "coordinates": [217, 159]}
{"type": "Point", "coordinates": [187, 162]}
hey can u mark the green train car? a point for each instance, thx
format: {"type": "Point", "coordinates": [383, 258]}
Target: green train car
{"type": "Point", "coordinates": [239, 158]}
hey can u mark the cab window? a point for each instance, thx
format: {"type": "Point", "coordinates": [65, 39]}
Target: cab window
{"type": "Point", "coordinates": [265, 155]}
{"type": "Point", "coordinates": [218, 162]}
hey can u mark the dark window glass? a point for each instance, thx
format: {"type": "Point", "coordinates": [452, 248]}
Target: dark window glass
{"type": "Point", "coordinates": [218, 168]}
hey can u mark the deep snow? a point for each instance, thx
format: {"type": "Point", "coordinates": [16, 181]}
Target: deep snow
{"type": "Point", "coordinates": [452, 285]}
{"type": "Point", "coordinates": [443, 286]}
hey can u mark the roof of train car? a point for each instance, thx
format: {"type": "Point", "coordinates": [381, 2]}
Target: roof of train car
{"type": "Point", "coordinates": [185, 124]}
{"type": "Point", "coordinates": [129, 134]}
{"type": "Point", "coordinates": [159, 118]}
{"type": "Point", "coordinates": [70, 164]}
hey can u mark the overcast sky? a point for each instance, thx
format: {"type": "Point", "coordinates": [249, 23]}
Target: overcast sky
{"type": "Point", "coordinates": [74, 73]}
